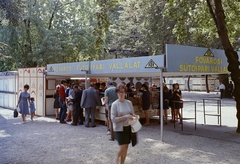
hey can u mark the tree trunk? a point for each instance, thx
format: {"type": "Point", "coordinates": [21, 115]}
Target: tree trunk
{"type": "Point", "coordinates": [232, 56]}
{"type": "Point", "coordinates": [206, 83]}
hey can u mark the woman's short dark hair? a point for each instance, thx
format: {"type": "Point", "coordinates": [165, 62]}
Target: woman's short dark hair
{"type": "Point", "coordinates": [176, 84]}
{"type": "Point", "coordinates": [26, 86]}
{"type": "Point", "coordinates": [121, 86]}
{"type": "Point", "coordinates": [145, 86]}
{"type": "Point", "coordinates": [63, 81]}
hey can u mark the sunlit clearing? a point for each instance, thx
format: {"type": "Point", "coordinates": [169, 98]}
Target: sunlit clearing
{"type": "Point", "coordinates": [3, 134]}
{"type": "Point", "coordinates": [149, 140]}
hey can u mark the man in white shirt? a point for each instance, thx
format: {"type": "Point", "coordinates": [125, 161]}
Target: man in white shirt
{"type": "Point", "coordinates": [222, 89]}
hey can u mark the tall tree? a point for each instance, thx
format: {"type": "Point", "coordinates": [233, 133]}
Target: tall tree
{"type": "Point", "coordinates": [227, 29]}
{"type": "Point", "coordinates": [10, 14]}
{"type": "Point", "coordinates": [218, 15]}
{"type": "Point", "coordinates": [10, 11]}
{"type": "Point", "coordinates": [51, 31]}
{"type": "Point", "coordinates": [127, 33]}
{"type": "Point", "coordinates": [159, 28]}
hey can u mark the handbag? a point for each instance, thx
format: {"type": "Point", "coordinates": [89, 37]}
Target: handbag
{"type": "Point", "coordinates": [135, 124]}
{"type": "Point", "coordinates": [134, 139]}
{"type": "Point", "coordinates": [15, 113]}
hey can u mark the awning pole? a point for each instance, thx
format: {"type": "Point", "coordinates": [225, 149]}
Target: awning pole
{"type": "Point", "coordinates": [161, 104]}
{"type": "Point", "coordinates": [86, 82]}
{"type": "Point", "coordinates": [43, 92]}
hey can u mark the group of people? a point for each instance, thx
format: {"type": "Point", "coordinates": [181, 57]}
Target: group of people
{"type": "Point", "coordinates": [171, 99]}
{"type": "Point", "coordinates": [72, 101]}
{"type": "Point", "coordinates": [119, 110]}
{"type": "Point", "coordinates": [230, 88]}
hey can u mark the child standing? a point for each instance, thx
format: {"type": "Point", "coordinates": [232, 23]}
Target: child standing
{"type": "Point", "coordinates": [32, 108]}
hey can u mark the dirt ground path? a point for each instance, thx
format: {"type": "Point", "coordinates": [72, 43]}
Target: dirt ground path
{"type": "Point", "coordinates": [46, 141]}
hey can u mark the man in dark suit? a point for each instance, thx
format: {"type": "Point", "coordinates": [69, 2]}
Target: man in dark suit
{"type": "Point", "coordinates": [77, 110]}
{"type": "Point", "coordinates": [90, 99]}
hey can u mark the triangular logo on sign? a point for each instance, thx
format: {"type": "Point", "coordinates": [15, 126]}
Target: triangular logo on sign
{"type": "Point", "coordinates": [209, 53]}
{"type": "Point", "coordinates": [51, 69]}
{"type": "Point", "coordinates": [151, 64]}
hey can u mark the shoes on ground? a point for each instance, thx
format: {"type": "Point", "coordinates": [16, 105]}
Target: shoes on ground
{"type": "Point", "coordinates": [63, 122]}
{"type": "Point", "coordinates": [93, 126]}
{"type": "Point", "coordinates": [87, 126]}
{"type": "Point", "coordinates": [73, 124]}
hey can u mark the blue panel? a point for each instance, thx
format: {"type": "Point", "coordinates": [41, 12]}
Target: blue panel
{"type": "Point", "coordinates": [124, 65]}
{"type": "Point", "coordinates": [195, 59]}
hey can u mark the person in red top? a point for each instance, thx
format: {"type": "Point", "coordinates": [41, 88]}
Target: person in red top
{"type": "Point", "coordinates": [62, 96]}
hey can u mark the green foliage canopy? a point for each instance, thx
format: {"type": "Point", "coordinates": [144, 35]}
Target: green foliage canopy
{"type": "Point", "coordinates": [194, 21]}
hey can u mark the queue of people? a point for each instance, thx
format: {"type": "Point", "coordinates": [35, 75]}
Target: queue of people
{"type": "Point", "coordinates": [71, 104]}
{"type": "Point", "coordinates": [65, 100]}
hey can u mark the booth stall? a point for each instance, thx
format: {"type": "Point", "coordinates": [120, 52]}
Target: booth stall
{"type": "Point", "coordinates": [178, 61]}
{"type": "Point", "coordinates": [134, 70]}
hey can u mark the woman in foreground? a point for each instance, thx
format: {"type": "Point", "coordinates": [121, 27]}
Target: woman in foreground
{"type": "Point", "coordinates": [122, 112]}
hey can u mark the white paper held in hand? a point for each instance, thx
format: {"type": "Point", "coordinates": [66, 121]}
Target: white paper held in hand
{"type": "Point", "coordinates": [103, 100]}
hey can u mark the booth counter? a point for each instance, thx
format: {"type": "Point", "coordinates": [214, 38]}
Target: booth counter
{"type": "Point", "coordinates": [136, 101]}
{"type": "Point", "coordinates": [100, 113]}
